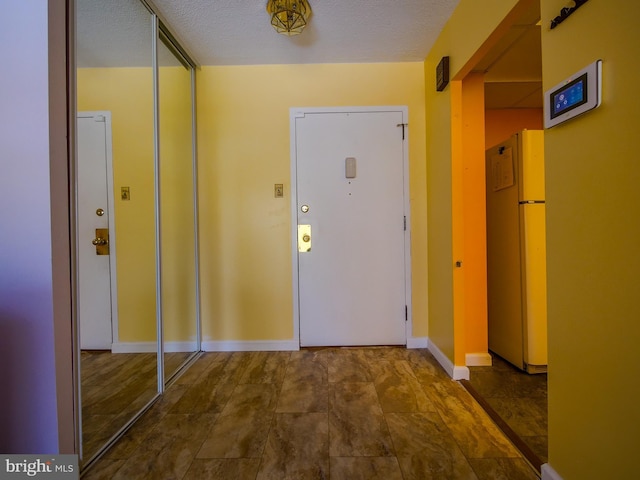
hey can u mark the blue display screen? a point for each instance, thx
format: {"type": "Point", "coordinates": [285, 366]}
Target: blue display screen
{"type": "Point", "coordinates": [569, 96]}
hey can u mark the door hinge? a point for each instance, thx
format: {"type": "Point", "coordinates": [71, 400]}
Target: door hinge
{"type": "Point", "coordinates": [403, 125]}
{"type": "Point", "coordinates": [405, 223]}
{"type": "Point", "coordinates": [406, 313]}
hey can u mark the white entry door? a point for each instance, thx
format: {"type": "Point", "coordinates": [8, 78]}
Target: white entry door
{"type": "Point", "coordinates": [94, 270]}
{"type": "Point", "coordinates": [351, 208]}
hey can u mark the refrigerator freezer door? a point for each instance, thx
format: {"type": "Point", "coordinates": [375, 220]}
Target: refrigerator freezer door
{"type": "Point", "coordinates": [534, 285]}
{"type": "Point", "coordinates": [531, 166]}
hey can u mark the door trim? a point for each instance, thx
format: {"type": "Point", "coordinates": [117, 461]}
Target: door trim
{"type": "Point", "coordinates": [300, 112]}
{"type": "Point", "coordinates": [112, 221]}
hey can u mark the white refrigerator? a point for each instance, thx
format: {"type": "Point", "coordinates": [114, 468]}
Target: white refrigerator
{"type": "Point", "coordinates": [516, 251]}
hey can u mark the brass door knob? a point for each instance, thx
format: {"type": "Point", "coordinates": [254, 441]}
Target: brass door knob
{"type": "Point", "coordinates": [100, 241]}
{"type": "Point", "coordinates": [304, 238]}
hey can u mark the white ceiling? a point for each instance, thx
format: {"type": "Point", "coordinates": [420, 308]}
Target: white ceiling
{"type": "Point", "coordinates": [112, 33]}
{"type": "Point", "coordinates": [238, 32]}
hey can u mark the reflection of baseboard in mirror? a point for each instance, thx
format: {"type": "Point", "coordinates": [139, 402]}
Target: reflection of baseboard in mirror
{"type": "Point", "coordinates": [147, 347]}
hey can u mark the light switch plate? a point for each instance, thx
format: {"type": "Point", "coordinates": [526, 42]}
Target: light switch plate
{"type": "Point", "coordinates": [278, 190]}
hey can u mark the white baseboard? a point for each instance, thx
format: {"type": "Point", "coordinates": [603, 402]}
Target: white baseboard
{"type": "Point", "coordinates": [152, 347]}
{"type": "Point", "coordinates": [250, 345]}
{"type": "Point", "coordinates": [549, 473]}
{"type": "Point", "coordinates": [478, 359]}
{"type": "Point", "coordinates": [417, 342]}
{"type": "Point", "coordinates": [454, 371]}
{"type": "Point", "coordinates": [460, 373]}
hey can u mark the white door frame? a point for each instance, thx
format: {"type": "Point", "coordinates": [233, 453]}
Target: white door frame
{"type": "Point", "coordinates": [112, 220]}
{"type": "Point", "coordinates": [300, 112]}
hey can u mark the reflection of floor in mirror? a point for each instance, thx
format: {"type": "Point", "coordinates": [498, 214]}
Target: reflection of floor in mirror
{"type": "Point", "coordinates": [520, 400]}
{"type": "Point", "coordinates": [115, 386]}
{"type": "Point", "coordinates": [358, 413]}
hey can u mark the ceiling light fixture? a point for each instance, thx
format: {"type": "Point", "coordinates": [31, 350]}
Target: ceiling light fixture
{"type": "Point", "coordinates": [289, 17]}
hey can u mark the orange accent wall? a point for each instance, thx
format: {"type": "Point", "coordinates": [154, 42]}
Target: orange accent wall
{"type": "Point", "coordinates": [457, 221]}
{"type": "Point", "coordinates": [474, 267]}
{"type": "Point", "coordinates": [500, 124]}
{"type": "Point", "coordinates": [469, 217]}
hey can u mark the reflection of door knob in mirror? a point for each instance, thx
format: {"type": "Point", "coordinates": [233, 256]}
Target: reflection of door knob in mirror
{"type": "Point", "coordinates": [304, 208]}
{"type": "Point", "coordinates": [306, 237]}
{"type": "Point", "coordinates": [100, 241]}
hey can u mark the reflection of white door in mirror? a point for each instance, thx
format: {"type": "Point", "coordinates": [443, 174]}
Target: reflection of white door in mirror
{"type": "Point", "coordinates": [96, 237]}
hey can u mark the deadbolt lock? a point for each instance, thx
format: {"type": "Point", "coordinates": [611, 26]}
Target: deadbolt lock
{"type": "Point", "coordinates": [101, 241]}
{"type": "Point", "coordinates": [304, 238]}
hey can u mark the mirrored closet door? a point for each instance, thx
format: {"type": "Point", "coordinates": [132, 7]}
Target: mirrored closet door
{"type": "Point", "coordinates": [177, 206]}
{"type": "Point", "coordinates": [136, 228]}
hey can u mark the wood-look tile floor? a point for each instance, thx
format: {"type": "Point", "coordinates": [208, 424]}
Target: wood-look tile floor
{"type": "Point", "coordinates": [332, 413]}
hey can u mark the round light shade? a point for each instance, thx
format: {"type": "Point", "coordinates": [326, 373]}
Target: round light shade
{"type": "Point", "coordinates": [289, 17]}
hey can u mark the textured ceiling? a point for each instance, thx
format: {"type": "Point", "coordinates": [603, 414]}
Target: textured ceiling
{"type": "Point", "coordinates": [115, 33]}
{"type": "Point", "coordinates": [238, 32]}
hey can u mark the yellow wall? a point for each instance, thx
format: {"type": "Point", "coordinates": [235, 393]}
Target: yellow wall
{"type": "Point", "coordinates": [177, 220]}
{"type": "Point", "coordinates": [243, 149]}
{"type": "Point", "coordinates": [470, 32]}
{"type": "Point", "coordinates": [593, 233]}
{"type": "Point", "coordinates": [127, 94]}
